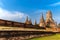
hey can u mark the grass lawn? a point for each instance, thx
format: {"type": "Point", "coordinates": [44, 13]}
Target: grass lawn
{"type": "Point", "coordinates": [53, 37]}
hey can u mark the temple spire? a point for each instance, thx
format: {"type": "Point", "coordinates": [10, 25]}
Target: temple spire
{"type": "Point", "coordinates": [42, 21]}
{"type": "Point", "coordinates": [49, 20]}
{"type": "Point", "coordinates": [49, 15]}
{"type": "Point", "coordinates": [35, 23]}
{"type": "Point", "coordinates": [28, 21]}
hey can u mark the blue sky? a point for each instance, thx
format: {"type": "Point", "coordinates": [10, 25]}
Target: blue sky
{"type": "Point", "coordinates": [17, 10]}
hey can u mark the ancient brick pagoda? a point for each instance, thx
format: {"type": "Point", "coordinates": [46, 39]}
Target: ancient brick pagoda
{"type": "Point", "coordinates": [48, 24]}
{"type": "Point", "coordinates": [10, 30]}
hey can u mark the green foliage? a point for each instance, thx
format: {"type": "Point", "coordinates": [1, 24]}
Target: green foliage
{"type": "Point", "coordinates": [52, 37]}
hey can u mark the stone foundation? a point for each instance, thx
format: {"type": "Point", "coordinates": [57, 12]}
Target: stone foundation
{"type": "Point", "coordinates": [23, 37]}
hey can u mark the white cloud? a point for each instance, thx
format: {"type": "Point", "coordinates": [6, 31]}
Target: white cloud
{"type": "Point", "coordinates": [8, 15]}
{"type": "Point", "coordinates": [55, 4]}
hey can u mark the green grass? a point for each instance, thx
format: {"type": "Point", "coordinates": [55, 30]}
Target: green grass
{"type": "Point", "coordinates": [53, 37]}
